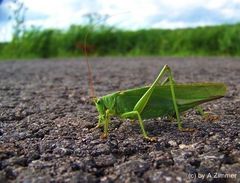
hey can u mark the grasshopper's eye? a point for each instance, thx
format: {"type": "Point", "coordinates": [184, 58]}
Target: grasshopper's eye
{"type": "Point", "coordinates": [99, 102]}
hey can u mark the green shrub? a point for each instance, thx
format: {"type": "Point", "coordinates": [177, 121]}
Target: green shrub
{"type": "Point", "coordinates": [103, 40]}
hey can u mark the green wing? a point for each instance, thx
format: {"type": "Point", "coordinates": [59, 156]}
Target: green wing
{"type": "Point", "coordinates": [161, 104]}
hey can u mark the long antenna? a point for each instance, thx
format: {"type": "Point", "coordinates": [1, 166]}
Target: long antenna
{"type": "Point", "coordinates": [90, 75]}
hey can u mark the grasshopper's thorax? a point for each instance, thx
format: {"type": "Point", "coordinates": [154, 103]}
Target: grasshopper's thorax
{"type": "Point", "coordinates": [105, 103]}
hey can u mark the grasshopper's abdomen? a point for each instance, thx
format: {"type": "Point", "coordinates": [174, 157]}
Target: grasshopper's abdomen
{"type": "Point", "coordinates": [161, 103]}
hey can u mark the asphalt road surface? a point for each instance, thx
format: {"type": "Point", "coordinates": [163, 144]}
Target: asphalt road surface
{"type": "Point", "coordinates": [46, 124]}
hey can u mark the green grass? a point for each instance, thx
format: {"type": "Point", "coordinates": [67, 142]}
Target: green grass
{"type": "Point", "coordinates": [221, 40]}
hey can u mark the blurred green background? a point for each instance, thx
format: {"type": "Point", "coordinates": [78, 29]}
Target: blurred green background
{"type": "Point", "coordinates": [221, 40]}
{"type": "Point", "coordinates": [96, 38]}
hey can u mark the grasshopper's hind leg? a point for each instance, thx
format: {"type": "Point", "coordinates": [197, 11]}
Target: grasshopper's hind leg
{"type": "Point", "coordinates": [169, 80]}
{"type": "Point", "coordinates": [140, 105]}
{"type": "Point", "coordinates": [144, 99]}
{"type": "Point", "coordinates": [207, 116]}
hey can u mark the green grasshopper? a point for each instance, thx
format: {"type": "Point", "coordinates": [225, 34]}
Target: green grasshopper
{"type": "Point", "coordinates": [163, 98]}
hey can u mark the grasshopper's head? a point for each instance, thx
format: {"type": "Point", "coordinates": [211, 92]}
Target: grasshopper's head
{"type": "Point", "coordinates": [101, 108]}
{"type": "Point", "coordinates": [104, 104]}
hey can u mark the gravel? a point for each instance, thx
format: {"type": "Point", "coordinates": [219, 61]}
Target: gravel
{"type": "Point", "coordinates": [46, 124]}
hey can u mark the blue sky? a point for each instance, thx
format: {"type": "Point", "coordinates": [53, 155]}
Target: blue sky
{"type": "Point", "coordinates": [132, 14]}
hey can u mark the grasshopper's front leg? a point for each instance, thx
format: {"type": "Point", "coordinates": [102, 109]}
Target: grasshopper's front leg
{"type": "Point", "coordinates": [106, 121]}
{"type": "Point", "coordinates": [100, 123]}
{"type": "Point", "coordinates": [103, 120]}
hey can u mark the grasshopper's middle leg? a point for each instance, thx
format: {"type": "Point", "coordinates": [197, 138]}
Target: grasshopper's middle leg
{"type": "Point", "coordinates": [134, 114]}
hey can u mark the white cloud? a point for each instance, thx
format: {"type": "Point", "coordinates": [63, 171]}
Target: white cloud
{"type": "Point", "coordinates": [5, 25]}
{"type": "Point", "coordinates": [6, 32]}
{"type": "Point", "coordinates": [133, 14]}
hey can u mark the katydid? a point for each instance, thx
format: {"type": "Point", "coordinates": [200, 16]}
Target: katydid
{"type": "Point", "coordinates": [162, 98]}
